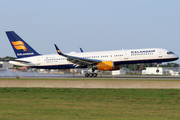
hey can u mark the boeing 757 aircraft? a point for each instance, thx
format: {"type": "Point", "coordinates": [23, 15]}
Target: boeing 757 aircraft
{"type": "Point", "coordinates": [102, 60]}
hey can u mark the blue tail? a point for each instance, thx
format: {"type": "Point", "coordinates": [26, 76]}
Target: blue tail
{"type": "Point", "coordinates": [21, 48]}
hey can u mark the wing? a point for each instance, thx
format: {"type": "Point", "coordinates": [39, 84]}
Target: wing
{"type": "Point", "coordinates": [77, 60]}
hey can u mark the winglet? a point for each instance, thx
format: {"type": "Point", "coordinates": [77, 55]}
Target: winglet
{"type": "Point", "coordinates": [81, 50]}
{"type": "Point", "coordinates": [57, 49]}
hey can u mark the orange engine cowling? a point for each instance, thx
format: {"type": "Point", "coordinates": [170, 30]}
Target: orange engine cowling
{"type": "Point", "coordinates": [107, 65]}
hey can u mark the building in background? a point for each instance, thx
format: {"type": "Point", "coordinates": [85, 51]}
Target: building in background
{"type": "Point", "coordinates": [122, 71]}
{"type": "Point", "coordinates": [5, 65]}
{"type": "Point", "coordinates": [174, 71]}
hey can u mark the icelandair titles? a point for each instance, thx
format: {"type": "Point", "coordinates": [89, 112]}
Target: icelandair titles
{"type": "Point", "coordinates": [143, 51]}
{"type": "Point", "coordinates": [20, 54]}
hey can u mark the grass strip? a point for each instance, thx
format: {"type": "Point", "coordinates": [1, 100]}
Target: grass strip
{"type": "Point", "coordinates": [106, 104]}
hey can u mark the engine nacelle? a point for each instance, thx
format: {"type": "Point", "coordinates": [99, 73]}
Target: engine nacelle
{"type": "Point", "coordinates": [106, 65]}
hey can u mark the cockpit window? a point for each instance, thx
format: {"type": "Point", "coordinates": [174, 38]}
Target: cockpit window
{"type": "Point", "coordinates": [170, 53]}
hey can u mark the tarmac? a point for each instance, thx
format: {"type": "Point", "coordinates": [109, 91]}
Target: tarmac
{"type": "Point", "coordinates": [105, 81]}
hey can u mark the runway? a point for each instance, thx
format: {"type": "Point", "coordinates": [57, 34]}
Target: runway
{"type": "Point", "coordinates": [34, 80]}
{"type": "Point", "coordinates": [135, 77]}
{"type": "Point", "coordinates": [14, 74]}
{"type": "Point", "coordinates": [132, 77]}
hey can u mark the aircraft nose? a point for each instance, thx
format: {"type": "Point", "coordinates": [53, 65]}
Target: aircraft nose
{"type": "Point", "coordinates": [176, 57]}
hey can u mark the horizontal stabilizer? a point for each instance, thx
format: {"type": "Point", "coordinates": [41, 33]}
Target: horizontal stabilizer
{"type": "Point", "coordinates": [20, 61]}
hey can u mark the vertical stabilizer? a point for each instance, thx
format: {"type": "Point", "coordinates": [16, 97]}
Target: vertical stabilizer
{"type": "Point", "coordinates": [20, 47]}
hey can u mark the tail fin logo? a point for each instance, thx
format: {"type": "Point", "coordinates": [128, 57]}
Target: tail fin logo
{"type": "Point", "coordinates": [19, 45]}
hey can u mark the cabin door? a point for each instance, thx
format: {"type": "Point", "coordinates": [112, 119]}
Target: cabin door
{"type": "Point", "coordinates": [160, 55]}
{"type": "Point", "coordinates": [126, 56]}
{"type": "Point", "coordinates": [38, 62]}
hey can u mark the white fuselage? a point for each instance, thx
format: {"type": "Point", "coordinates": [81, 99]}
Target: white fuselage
{"type": "Point", "coordinates": [119, 57]}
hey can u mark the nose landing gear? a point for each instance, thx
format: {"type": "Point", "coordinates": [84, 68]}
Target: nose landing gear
{"type": "Point", "coordinates": [157, 68]}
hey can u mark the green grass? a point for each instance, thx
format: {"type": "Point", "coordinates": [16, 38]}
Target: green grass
{"type": "Point", "coordinates": [98, 104]}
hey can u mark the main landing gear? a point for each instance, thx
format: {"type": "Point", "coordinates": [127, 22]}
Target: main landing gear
{"type": "Point", "coordinates": [91, 72]}
{"type": "Point", "coordinates": [91, 75]}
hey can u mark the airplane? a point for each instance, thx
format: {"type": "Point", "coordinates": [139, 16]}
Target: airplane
{"type": "Point", "coordinates": [101, 60]}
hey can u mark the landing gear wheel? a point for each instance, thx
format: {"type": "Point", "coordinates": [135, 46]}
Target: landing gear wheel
{"type": "Point", "coordinates": [86, 75]}
{"type": "Point", "coordinates": [95, 74]}
{"type": "Point", "coordinates": [91, 74]}
{"type": "Point", "coordinates": [157, 68]}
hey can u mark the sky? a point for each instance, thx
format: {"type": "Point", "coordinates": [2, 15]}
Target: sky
{"type": "Point", "coordinates": [94, 25]}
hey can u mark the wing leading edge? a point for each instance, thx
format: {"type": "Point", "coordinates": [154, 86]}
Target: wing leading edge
{"type": "Point", "coordinates": [77, 60]}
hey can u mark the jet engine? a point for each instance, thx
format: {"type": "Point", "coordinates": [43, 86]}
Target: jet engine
{"type": "Point", "coordinates": [106, 65]}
